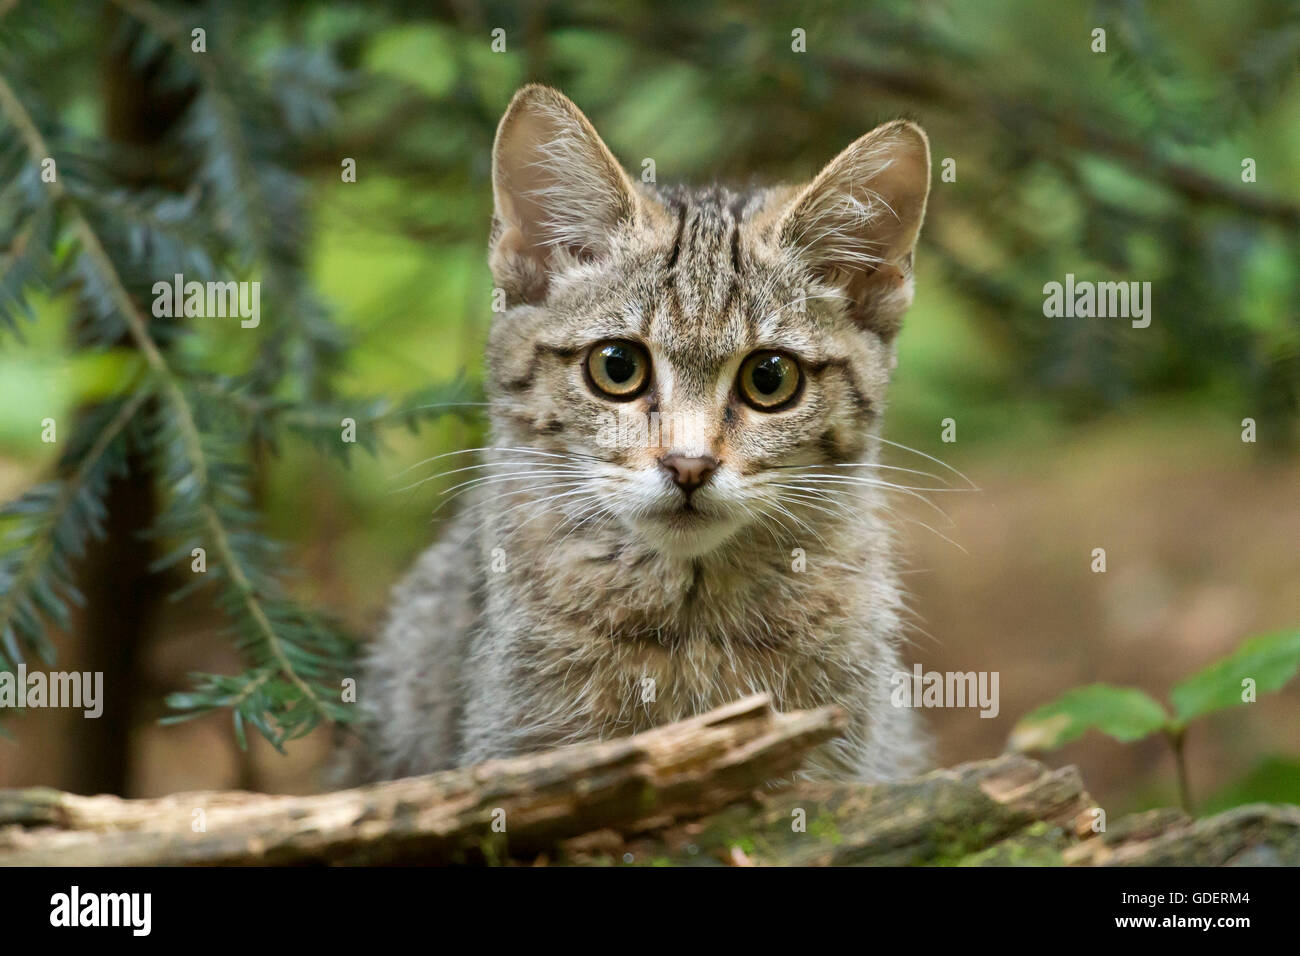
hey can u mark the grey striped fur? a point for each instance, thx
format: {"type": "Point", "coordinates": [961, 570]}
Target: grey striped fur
{"type": "Point", "coordinates": [561, 606]}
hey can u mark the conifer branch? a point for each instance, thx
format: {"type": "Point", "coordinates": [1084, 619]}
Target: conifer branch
{"type": "Point", "coordinates": [38, 548]}
{"type": "Point", "coordinates": [207, 66]}
{"type": "Point", "coordinates": [137, 327]}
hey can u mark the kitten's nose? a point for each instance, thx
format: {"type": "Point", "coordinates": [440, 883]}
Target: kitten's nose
{"type": "Point", "coordinates": [688, 473]}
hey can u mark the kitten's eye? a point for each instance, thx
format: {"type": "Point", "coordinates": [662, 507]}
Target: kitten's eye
{"type": "Point", "coordinates": [769, 380]}
{"type": "Point", "coordinates": [618, 370]}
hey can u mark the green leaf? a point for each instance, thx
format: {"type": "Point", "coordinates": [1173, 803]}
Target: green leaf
{"type": "Point", "coordinates": [1270, 660]}
{"type": "Point", "coordinates": [1125, 713]}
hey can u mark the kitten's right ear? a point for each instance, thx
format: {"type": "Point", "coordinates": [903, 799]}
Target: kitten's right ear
{"type": "Point", "coordinates": [858, 221]}
{"type": "Point", "coordinates": [559, 192]}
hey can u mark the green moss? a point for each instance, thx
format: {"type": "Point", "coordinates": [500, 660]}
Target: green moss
{"type": "Point", "coordinates": [953, 843]}
{"type": "Point", "coordinates": [1039, 844]}
{"type": "Point", "coordinates": [746, 844]}
{"type": "Point", "coordinates": [825, 828]}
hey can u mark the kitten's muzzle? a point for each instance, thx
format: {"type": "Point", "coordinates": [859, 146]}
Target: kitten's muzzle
{"type": "Point", "coordinates": [689, 472]}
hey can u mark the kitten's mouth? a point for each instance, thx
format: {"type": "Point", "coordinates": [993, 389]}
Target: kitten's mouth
{"type": "Point", "coordinates": [678, 513]}
{"type": "Point", "coordinates": [686, 515]}
{"type": "Point", "coordinates": [687, 529]}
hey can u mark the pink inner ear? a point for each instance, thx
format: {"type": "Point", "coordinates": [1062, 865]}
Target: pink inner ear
{"type": "Point", "coordinates": [867, 204]}
{"type": "Point", "coordinates": [858, 220]}
{"type": "Point", "coordinates": [511, 241]}
{"type": "Point", "coordinates": [556, 182]}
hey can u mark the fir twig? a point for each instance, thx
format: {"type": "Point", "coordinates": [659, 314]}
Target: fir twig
{"type": "Point", "coordinates": [37, 570]}
{"type": "Point", "coordinates": [172, 393]}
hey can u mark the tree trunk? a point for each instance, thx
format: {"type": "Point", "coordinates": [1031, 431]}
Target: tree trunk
{"type": "Point", "coordinates": [122, 596]}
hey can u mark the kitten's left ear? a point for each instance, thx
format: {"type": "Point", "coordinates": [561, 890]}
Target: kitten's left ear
{"type": "Point", "coordinates": [858, 221]}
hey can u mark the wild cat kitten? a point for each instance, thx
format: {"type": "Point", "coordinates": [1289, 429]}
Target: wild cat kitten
{"type": "Point", "coordinates": [678, 506]}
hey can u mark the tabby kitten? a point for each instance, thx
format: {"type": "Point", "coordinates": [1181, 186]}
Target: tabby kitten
{"type": "Point", "coordinates": [681, 502]}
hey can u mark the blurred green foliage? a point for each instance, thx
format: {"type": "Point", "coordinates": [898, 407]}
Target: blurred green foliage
{"type": "Point", "coordinates": [1120, 165]}
{"type": "Point", "coordinates": [1124, 165]}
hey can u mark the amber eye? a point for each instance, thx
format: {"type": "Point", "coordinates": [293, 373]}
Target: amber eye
{"type": "Point", "coordinates": [769, 380]}
{"type": "Point", "coordinates": [618, 370]}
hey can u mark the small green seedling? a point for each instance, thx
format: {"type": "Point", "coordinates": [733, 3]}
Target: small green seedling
{"type": "Point", "coordinates": [1260, 665]}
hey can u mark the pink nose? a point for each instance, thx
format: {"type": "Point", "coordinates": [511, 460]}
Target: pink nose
{"type": "Point", "coordinates": [688, 473]}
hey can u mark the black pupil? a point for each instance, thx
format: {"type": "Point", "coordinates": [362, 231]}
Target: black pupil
{"type": "Point", "coordinates": [768, 374]}
{"type": "Point", "coordinates": [620, 366]}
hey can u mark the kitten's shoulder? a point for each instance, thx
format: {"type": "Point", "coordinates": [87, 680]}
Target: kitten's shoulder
{"type": "Point", "coordinates": [411, 688]}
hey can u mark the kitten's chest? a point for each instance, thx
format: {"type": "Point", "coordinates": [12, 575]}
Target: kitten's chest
{"type": "Point", "coordinates": [606, 641]}
{"type": "Point", "coordinates": [706, 615]}
{"type": "Point", "coordinates": [619, 684]}
{"type": "Point", "coordinates": [654, 647]}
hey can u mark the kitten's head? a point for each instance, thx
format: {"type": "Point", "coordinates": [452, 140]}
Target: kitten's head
{"type": "Point", "coordinates": [681, 351]}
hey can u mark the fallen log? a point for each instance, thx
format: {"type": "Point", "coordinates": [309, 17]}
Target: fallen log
{"type": "Point", "coordinates": [944, 817]}
{"type": "Point", "coordinates": [718, 789]}
{"type": "Point", "coordinates": [1253, 835]}
{"type": "Point", "coordinates": [1008, 811]}
{"type": "Point", "coordinates": [489, 812]}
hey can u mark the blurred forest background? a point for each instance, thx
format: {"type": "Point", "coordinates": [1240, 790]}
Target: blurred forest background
{"type": "Point", "coordinates": [1081, 433]}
